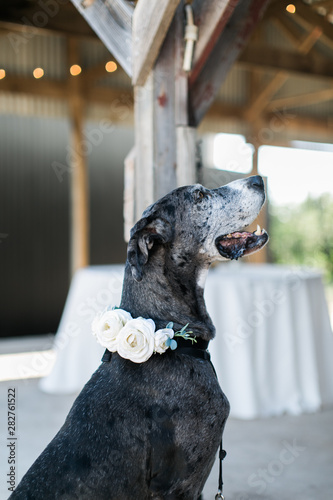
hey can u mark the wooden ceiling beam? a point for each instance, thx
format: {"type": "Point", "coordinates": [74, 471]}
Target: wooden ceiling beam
{"type": "Point", "coordinates": [151, 21]}
{"type": "Point", "coordinates": [112, 22]}
{"type": "Point", "coordinates": [233, 39]}
{"type": "Point", "coordinates": [45, 19]}
{"type": "Point", "coordinates": [211, 17]}
{"type": "Point", "coordinates": [300, 100]}
{"type": "Point", "coordinates": [31, 86]}
{"type": "Point", "coordinates": [259, 103]}
{"type": "Point", "coordinates": [269, 58]}
{"type": "Point", "coordinates": [120, 102]}
{"type": "Point", "coordinates": [276, 123]}
{"type": "Point", "coordinates": [308, 14]}
{"type": "Point", "coordinates": [306, 124]}
{"type": "Point", "coordinates": [60, 90]}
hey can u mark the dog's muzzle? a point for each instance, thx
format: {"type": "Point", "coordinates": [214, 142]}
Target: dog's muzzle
{"type": "Point", "coordinates": [239, 244]}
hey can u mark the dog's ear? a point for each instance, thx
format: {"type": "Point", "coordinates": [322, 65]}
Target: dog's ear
{"type": "Point", "coordinates": [146, 232]}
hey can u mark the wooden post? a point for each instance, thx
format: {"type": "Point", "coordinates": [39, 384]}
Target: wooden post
{"type": "Point", "coordinates": [164, 144]}
{"type": "Point", "coordinates": [186, 136]}
{"type": "Point", "coordinates": [79, 180]}
{"type": "Point", "coordinates": [129, 193]}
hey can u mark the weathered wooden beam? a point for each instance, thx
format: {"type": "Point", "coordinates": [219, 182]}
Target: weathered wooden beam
{"type": "Point", "coordinates": [112, 22]}
{"type": "Point", "coordinates": [211, 16]}
{"type": "Point", "coordinates": [161, 124]}
{"type": "Point", "coordinates": [144, 130]}
{"type": "Point", "coordinates": [151, 21]}
{"type": "Point", "coordinates": [155, 136]}
{"type": "Point", "coordinates": [269, 58]}
{"type": "Point", "coordinates": [186, 138]}
{"type": "Point", "coordinates": [234, 37]}
{"type": "Point", "coordinates": [129, 193]}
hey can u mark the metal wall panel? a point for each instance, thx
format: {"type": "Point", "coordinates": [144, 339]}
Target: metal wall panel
{"type": "Point", "coordinates": [34, 216]}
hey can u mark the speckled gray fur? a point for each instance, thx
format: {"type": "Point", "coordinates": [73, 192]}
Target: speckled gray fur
{"type": "Point", "coordinates": [151, 430]}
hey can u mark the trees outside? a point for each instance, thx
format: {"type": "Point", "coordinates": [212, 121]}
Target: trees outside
{"type": "Point", "coordinates": [303, 234]}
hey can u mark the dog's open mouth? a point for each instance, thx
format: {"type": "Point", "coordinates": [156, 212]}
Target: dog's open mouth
{"type": "Point", "coordinates": [238, 244]}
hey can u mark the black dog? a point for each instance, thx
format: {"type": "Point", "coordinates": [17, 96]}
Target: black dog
{"type": "Point", "coordinates": [151, 430]}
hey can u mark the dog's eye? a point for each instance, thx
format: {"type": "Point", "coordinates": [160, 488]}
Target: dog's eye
{"type": "Point", "coordinates": [199, 195]}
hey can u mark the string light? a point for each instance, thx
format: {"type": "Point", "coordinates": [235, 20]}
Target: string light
{"type": "Point", "coordinates": [111, 66]}
{"type": "Point", "coordinates": [2, 74]}
{"type": "Point", "coordinates": [38, 72]}
{"type": "Point", "coordinates": [291, 8]}
{"type": "Point", "coordinates": [75, 70]}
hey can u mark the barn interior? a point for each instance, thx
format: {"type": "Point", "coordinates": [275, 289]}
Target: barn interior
{"type": "Point", "coordinates": [98, 120]}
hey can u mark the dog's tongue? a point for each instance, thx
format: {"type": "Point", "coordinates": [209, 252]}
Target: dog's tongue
{"type": "Point", "coordinates": [235, 245]}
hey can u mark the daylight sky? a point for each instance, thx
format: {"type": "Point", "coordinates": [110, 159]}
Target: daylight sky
{"type": "Point", "coordinates": [292, 173]}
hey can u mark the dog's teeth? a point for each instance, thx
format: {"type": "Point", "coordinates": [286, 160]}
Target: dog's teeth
{"type": "Point", "coordinates": [257, 232]}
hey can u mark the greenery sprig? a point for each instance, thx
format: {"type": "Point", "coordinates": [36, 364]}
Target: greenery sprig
{"type": "Point", "coordinates": [172, 343]}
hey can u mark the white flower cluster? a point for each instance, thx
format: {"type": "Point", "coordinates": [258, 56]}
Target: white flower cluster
{"type": "Point", "coordinates": [133, 339]}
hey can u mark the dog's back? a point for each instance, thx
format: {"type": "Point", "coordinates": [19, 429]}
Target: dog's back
{"type": "Point", "coordinates": [145, 431]}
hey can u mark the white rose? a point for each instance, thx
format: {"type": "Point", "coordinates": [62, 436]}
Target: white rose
{"type": "Point", "coordinates": [107, 325]}
{"type": "Point", "coordinates": [161, 337]}
{"type": "Point", "coordinates": [136, 340]}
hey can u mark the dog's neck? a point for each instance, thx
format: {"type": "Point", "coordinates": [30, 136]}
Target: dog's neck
{"type": "Point", "coordinates": [169, 292]}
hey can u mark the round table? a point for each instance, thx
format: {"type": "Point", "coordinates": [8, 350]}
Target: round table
{"type": "Point", "coordinates": [273, 346]}
{"type": "Point", "coordinates": [273, 349]}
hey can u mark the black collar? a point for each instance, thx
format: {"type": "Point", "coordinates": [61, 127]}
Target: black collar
{"type": "Point", "coordinates": [198, 349]}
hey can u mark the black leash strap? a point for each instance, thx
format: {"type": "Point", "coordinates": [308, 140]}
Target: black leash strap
{"type": "Point", "coordinates": [222, 455]}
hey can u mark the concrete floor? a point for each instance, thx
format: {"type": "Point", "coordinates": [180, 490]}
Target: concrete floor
{"type": "Point", "coordinates": [285, 458]}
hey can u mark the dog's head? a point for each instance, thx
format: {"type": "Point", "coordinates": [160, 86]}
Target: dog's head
{"type": "Point", "coordinates": [196, 222]}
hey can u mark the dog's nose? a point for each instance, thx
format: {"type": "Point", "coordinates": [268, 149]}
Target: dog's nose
{"type": "Point", "coordinates": [256, 182]}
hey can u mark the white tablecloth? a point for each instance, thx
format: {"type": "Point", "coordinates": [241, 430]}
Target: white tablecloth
{"type": "Point", "coordinates": [273, 350]}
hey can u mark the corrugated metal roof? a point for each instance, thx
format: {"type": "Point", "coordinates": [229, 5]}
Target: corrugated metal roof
{"type": "Point", "coordinates": [21, 53]}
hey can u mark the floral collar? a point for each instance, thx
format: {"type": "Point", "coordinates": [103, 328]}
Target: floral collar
{"type": "Point", "coordinates": [135, 339]}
